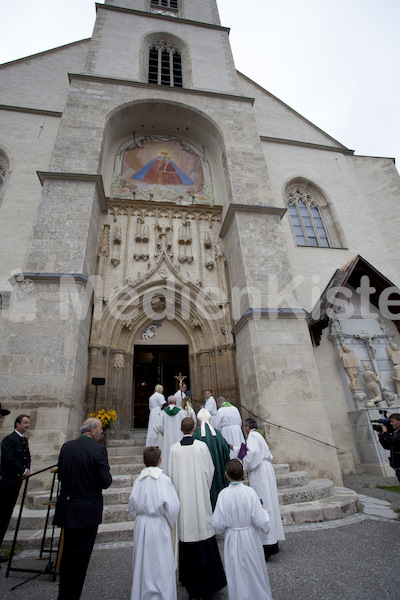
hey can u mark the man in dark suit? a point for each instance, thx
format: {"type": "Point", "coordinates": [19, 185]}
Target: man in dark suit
{"type": "Point", "coordinates": [15, 465]}
{"type": "Point", "coordinates": [83, 472]}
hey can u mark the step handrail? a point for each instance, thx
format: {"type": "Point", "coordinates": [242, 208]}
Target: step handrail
{"type": "Point", "coordinates": [9, 567]}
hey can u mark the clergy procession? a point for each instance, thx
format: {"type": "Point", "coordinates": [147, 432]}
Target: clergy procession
{"type": "Point", "coordinates": [191, 490]}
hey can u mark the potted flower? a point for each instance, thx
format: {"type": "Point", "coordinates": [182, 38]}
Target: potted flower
{"type": "Point", "coordinates": [107, 419]}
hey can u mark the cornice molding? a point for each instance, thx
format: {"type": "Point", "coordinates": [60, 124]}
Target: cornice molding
{"type": "Point", "coordinates": [255, 314]}
{"type": "Point", "coordinates": [249, 208]}
{"type": "Point", "coordinates": [142, 13]}
{"type": "Point", "coordinates": [49, 277]}
{"type": "Point", "coordinates": [274, 140]}
{"type": "Point", "coordinates": [33, 111]}
{"type": "Point", "coordinates": [86, 177]}
{"type": "Point", "coordinates": [160, 88]}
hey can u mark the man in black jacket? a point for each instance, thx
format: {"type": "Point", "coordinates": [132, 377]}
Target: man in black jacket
{"type": "Point", "coordinates": [391, 441]}
{"type": "Point", "coordinates": [15, 467]}
{"type": "Point", "coordinates": [84, 472]}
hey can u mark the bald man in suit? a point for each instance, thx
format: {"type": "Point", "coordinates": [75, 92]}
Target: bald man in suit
{"type": "Point", "coordinates": [83, 472]}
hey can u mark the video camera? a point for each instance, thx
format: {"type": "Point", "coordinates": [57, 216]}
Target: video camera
{"type": "Point", "coordinates": [377, 423]}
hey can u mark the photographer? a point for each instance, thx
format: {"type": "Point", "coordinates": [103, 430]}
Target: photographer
{"type": "Point", "coordinates": [391, 441]}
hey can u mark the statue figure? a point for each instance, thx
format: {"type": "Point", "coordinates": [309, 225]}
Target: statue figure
{"type": "Point", "coordinates": [389, 396]}
{"type": "Point", "coordinates": [394, 355]}
{"type": "Point", "coordinates": [350, 363]}
{"type": "Point", "coordinates": [364, 335]}
{"type": "Point", "coordinates": [372, 381]}
{"type": "Point", "coordinates": [336, 327]}
{"type": "Point", "coordinates": [358, 396]}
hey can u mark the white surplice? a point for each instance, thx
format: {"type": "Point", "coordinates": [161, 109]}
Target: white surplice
{"type": "Point", "coordinates": [170, 428]}
{"type": "Point", "coordinates": [239, 514]}
{"type": "Point", "coordinates": [154, 505]}
{"type": "Point", "coordinates": [257, 463]}
{"type": "Point", "coordinates": [155, 403]}
{"type": "Point", "coordinates": [178, 397]}
{"type": "Point", "coordinates": [191, 470]}
{"type": "Point", "coordinates": [229, 423]}
{"type": "Point", "coordinates": [211, 406]}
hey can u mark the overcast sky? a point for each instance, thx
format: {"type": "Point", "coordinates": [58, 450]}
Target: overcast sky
{"type": "Point", "coordinates": [334, 61]}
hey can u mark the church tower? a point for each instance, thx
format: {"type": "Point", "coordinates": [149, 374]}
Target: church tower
{"type": "Point", "coordinates": [164, 219]}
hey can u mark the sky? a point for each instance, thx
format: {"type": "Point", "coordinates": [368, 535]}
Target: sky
{"type": "Point", "coordinates": [336, 62]}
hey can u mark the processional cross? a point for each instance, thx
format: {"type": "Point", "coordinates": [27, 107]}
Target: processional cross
{"type": "Point", "coordinates": [180, 378]}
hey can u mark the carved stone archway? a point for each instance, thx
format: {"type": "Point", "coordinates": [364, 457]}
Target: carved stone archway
{"type": "Point", "coordinates": [161, 294]}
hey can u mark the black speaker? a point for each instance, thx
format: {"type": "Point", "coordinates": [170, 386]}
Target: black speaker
{"type": "Point", "coordinates": [98, 381]}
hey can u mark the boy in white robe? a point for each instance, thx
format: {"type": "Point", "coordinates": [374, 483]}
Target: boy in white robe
{"type": "Point", "coordinates": [240, 515]}
{"type": "Point", "coordinates": [192, 470]}
{"type": "Point", "coordinates": [154, 505]}
{"type": "Point", "coordinates": [261, 474]}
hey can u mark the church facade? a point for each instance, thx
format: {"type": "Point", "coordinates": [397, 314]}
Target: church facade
{"type": "Point", "coordinates": [162, 214]}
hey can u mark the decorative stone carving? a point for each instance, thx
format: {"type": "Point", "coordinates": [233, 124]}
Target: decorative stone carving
{"type": "Point", "coordinates": [119, 360]}
{"type": "Point", "coordinates": [150, 331]}
{"type": "Point", "coordinates": [350, 363]}
{"type": "Point", "coordinates": [158, 304]}
{"type": "Point", "coordinates": [367, 337]}
{"type": "Point", "coordinates": [208, 251]}
{"type": "Point", "coordinates": [128, 324]}
{"type": "Point", "coordinates": [389, 397]}
{"type": "Point", "coordinates": [372, 381]}
{"type": "Point", "coordinates": [394, 354]}
{"type": "Point", "coordinates": [336, 328]}
{"type": "Point", "coordinates": [163, 240]}
{"type": "Point", "coordinates": [141, 240]}
{"type": "Point", "coordinates": [383, 327]}
{"type": "Point", "coordinates": [219, 253]}
{"type": "Point", "coordinates": [105, 241]}
{"type": "Point", "coordinates": [358, 396]}
{"type": "Point", "coordinates": [184, 241]}
{"type": "Point", "coordinates": [98, 350]}
{"type": "Point", "coordinates": [117, 239]}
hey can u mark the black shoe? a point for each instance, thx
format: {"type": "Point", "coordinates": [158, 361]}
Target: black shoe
{"type": "Point", "coordinates": [3, 559]}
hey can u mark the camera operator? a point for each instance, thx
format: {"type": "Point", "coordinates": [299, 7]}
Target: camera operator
{"type": "Point", "coordinates": [390, 440]}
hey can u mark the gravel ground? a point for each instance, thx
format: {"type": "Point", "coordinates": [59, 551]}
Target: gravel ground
{"type": "Point", "coordinates": [353, 559]}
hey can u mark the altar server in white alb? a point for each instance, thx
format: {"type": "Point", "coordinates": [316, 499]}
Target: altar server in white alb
{"type": "Point", "coordinates": [192, 469]}
{"type": "Point", "coordinates": [156, 402]}
{"type": "Point", "coordinates": [211, 406]}
{"type": "Point", "coordinates": [154, 505]}
{"type": "Point", "coordinates": [168, 424]}
{"type": "Point", "coordinates": [229, 422]}
{"type": "Point", "coordinates": [240, 516]}
{"type": "Point", "coordinates": [257, 463]}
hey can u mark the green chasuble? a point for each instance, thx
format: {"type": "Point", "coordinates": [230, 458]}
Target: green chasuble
{"type": "Point", "coordinates": [219, 451]}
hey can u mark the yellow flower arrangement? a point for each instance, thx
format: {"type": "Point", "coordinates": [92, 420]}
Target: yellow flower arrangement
{"type": "Point", "coordinates": [107, 418]}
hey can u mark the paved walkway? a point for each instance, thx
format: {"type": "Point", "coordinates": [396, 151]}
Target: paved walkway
{"type": "Point", "coordinates": [356, 558]}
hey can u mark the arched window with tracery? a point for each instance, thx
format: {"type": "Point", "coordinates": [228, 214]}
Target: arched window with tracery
{"type": "Point", "coordinates": [307, 220]}
{"type": "Point", "coordinates": [165, 64]}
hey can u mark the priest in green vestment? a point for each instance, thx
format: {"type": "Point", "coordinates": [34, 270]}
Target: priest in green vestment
{"type": "Point", "coordinates": [219, 451]}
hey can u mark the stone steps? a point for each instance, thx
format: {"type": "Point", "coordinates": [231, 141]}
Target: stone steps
{"type": "Point", "coordinates": [301, 500]}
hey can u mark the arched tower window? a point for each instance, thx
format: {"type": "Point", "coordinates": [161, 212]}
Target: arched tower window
{"type": "Point", "coordinates": [306, 218]}
{"type": "Point", "coordinates": [165, 64]}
